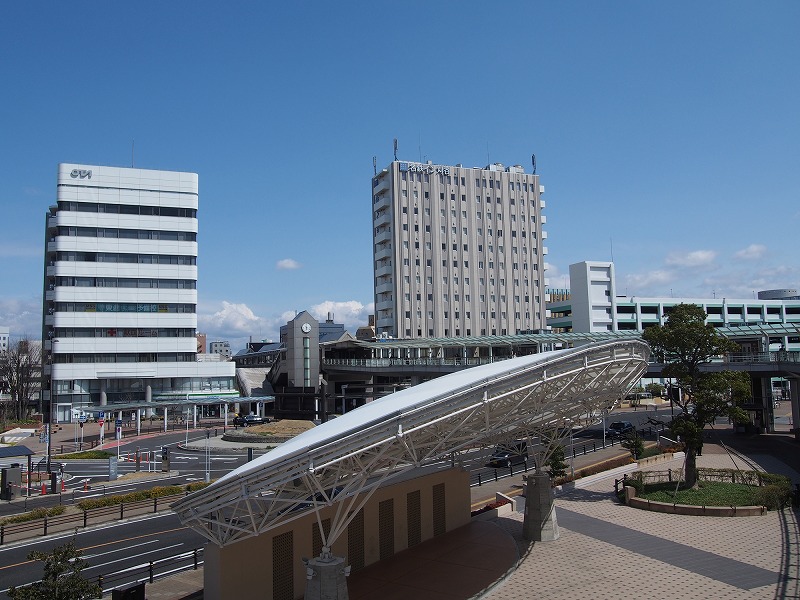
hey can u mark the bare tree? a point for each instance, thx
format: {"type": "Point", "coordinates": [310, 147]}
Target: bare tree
{"type": "Point", "coordinates": [20, 376]}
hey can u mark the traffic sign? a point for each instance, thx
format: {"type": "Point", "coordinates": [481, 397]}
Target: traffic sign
{"type": "Point", "coordinates": [101, 415]}
{"type": "Point", "coordinates": [100, 421]}
{"type": "Point", "coordinates": [118, 423]}
{"type": "Point", "coordinates": [82, 418]}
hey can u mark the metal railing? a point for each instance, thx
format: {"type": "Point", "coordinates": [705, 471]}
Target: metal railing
{"type": "Point", "coordinates": [47, 525]}
{"type": "Point", "coordinates": [150, 571]}
{"type": "Point", "coordinates": [487, 475]}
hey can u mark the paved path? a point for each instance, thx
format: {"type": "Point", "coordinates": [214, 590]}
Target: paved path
{"type": "Point", "coordinates": [624, 552]}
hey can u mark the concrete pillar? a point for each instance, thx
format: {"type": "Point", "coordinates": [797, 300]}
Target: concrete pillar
{"type": "Point", "coordinates": [326, 577]}
{"type": "Point", "coordinates": [103, 395]}
{"type": "Point", "coordinates": [768, 423]}
{"type": "Point", "coordinates": [148, 397]}
{"type": "Point", "coordinates": [540, 524]}
{"type": "Point", "coordinates": [794, 398]}
{"type": "Point", "coordinates": [165, 419]}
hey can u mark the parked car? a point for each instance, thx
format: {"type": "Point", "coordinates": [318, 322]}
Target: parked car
{"type": "Point", "coordinates": [619, 428]}
{"type": "Point", "coordinates": [506, 455]}
{"type": "Point", "coordinates": [244, 421]}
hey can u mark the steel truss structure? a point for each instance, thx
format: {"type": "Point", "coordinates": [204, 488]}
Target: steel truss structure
{"type": "Point", "coordinates": [341, 462]}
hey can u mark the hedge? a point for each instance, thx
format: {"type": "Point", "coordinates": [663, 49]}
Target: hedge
{"type": "Point", "coordinates": [38, 513]}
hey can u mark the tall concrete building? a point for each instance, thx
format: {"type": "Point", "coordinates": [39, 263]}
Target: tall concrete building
{"type": "Point", "coordinates": [120, 292]}
{"type": "Point", "coordinates": [458, 251]}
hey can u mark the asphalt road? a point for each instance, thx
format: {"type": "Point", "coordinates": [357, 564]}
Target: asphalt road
{"type": "Point", "coordinates": [111, 549]}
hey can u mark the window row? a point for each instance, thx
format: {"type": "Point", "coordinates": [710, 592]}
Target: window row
{"type": "Point", "coordinates": [128, 209]}
{"type": "Point", "coordinates": [128, 234]}
{"type": "Point", "coordinates": [124, 257]}
{"type": "Point", "coordinates": [137, 332]}
{"type": "Point", "coordinates": [140, 357]}
{"type": "Point", "coordinates": [137, 307]}
{"type": "Point", "coordinates": [127, 282]}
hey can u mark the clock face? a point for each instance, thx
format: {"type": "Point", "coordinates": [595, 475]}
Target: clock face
{"type": "Point", "coordinates": [306, 327]}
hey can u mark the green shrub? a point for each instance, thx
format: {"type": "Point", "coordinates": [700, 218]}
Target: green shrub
{"type": "Point", "coordinates": [774, 497]}
{"type": "Point", "coordinates": [156, 492]}
{"type": "Point", "coordinates": [651, 451]}
{"type": "Point", "coordinates": [86, 454]}
{"type": "Point", "coordinates": [196, 485]}
{"type": "Point", "coordinates": [635, 481]}
{"type": "Point", "coordinates": [38, 513]}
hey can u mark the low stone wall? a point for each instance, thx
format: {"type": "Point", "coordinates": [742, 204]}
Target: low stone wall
{"type": "Point", "coordinates": [688, 509]}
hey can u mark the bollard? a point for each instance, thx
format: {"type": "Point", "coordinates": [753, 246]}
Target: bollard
{"type": "Point", "coordinates": [44, 489]}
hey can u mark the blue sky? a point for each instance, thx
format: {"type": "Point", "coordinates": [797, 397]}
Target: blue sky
{"type": "Point", "coordinates": [669, 132]}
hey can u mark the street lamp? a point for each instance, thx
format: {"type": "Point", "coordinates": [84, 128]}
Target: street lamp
{"type": "Point", "coordinates": [208, 457]}
{"type": "Point", "coordinates": [571, 453]}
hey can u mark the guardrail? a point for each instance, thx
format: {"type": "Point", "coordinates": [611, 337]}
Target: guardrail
{"type": "Point", "coordinates": [151, 571]}
{"type": "Point", "coordinates": [487, 475]}
{"type": "Point", "coordinates": [46, 525]}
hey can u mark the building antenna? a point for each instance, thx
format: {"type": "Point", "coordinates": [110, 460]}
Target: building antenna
{"type": "Point", "coordinates": [374, 165]}
{"type": "Point", "coordinates": [611, 240]}
{"type": "Point", "coordinates": [488, 161]}
{"type": "Point", "coordinates": [395, 148]}
{"type": "Point", "coordinates": [419, 146]}
{"type": "Point", "coordinates": [533, 163]}
{"type": "Point", "coordinates": [133, 147]}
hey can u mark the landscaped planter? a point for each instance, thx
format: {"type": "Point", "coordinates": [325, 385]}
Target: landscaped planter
{"type": "Point", "coordinates": [688, 509]}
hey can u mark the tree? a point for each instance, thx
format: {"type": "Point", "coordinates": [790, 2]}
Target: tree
{"type": "Point", "coordinates": [684, 344]}
{"type": "Point", "coordinates": [555, 462]}
{"type": "Point", "coordinates": [633, 443]}
{"type": "Point", "coordinates": [20, 372]}
{"type": "Point", "coordinates": [62, 577]}
{"type": "Point", "coordinates": [655, 388]}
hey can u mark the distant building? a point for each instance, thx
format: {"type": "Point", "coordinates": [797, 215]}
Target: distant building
{"type": "Point", "coordinates": [457, 251]}
{"type": "Point", "coordinates": [4, 333]}
{"type": "Point", "coordinates": [120, 292]}
{"type": "Point", "coordinates": [593, 305]}
{"type": "Point", "coordinates": [201, 343]}
{"type": "Point", "coordinates": [223, 349]}
{"type": "Point", "coordinates": [367, 332]}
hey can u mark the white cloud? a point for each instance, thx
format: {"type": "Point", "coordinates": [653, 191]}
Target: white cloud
{"type": "Point", "coordinates": [231, 321]}
{"type": "Point", "coordinates": [752, 252]}
{"type": "Point", "coordinates": [694, 259]}
{"type": "Point", "coordinates": [649, 283]}
{"type": "Point", "coordinates": [23, 317]}
{"type": "Point", "coordinates": [287, 263]}
{"type": "Point", "coordinates": [350, 313]}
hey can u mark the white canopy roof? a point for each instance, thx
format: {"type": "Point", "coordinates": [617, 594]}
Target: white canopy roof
{"type": "Point", "coordinates": [358, 451]}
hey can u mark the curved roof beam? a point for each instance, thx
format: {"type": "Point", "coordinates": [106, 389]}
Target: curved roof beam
{"type": "Point", "coordinates": [357, 452]}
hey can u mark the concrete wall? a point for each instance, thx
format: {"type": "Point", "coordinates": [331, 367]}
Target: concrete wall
{"type": "Point", "coordinates": [244, 570]}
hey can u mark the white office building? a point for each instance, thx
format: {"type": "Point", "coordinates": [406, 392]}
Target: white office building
{"type": "Point", "coordinates": [4, 333]}
{"type": "Point", "coordinates": [120, 297]}
{"type": "Point", "coordinates": [458, 251]}
{"type": "Point", "coordinates": [593, 305]}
